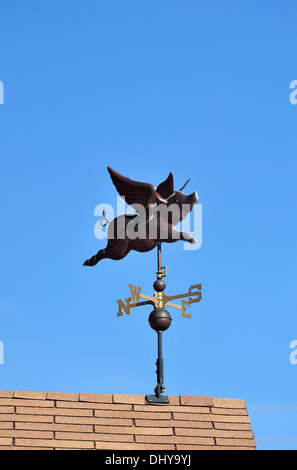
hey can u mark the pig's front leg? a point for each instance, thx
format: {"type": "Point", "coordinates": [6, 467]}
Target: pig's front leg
{"type": "Point", "coordinates": [176, 235]}
{"type": "Point", "coordinates": [188, 238]}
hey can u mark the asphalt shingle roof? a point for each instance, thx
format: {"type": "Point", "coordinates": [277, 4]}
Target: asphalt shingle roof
{"type": "Point", "coordinates": [50, 420]}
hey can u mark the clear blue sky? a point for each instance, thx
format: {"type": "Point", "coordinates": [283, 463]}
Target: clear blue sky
{"type": "Point", "coordinates": [197, 88]}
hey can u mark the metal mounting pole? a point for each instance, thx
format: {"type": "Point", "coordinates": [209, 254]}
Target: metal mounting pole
{"type": "Point", "coordinates": [158, 397]}
{"type": "Point", "coordinates": [160, 368]}
{"type": "Point", "coordinates": [159, 257]}
{"type": "Point", "coordinates": [159, 320]}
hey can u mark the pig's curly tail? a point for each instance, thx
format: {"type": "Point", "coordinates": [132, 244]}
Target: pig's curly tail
{"type": "Point", "coordinates": [104, 221]}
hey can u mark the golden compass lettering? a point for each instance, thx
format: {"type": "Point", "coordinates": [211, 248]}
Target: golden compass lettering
{"type": "Point", "coordinates": [160, 300]}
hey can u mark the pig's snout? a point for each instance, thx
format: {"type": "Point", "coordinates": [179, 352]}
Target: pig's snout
{"type": "Point", "coordinates": [194, 198]}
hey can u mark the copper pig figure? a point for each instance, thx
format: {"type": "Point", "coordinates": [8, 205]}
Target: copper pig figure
{"type": "Point", "coordinates": [159, 210]}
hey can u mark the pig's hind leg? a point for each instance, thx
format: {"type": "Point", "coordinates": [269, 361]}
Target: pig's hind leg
{"type": "Point", "coordinates": [118, 245]}
{"type": "Point", "coordinates": [115, 251]}
{"type": "Point", "coordinates": [96, 258]}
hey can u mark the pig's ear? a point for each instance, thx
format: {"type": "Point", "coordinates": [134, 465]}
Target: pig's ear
{"type": "Point", "coordinates": [166, 188]}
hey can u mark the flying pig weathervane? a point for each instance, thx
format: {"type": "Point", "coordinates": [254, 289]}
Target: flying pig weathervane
{"type": "Point", "coordinates": [158, 211]}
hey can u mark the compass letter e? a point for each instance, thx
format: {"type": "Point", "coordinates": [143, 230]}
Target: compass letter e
{"type": "Point", "coordinates": [194, 290]}
{"type": "Point", "coordinates": [184, 303]}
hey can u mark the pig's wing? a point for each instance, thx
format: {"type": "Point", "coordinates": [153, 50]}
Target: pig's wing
{"type": "Point", "coordinates": [134, 192]}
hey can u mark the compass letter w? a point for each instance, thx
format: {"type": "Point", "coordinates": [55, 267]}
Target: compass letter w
{"type": "Point", "coordinates": [135, 293]}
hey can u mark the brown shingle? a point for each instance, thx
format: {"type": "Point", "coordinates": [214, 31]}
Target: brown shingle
{"type": "Point", "coordinates": [228, 403]}
{"type": "Point", "coordinates": [6, 394]}
{"type": "Point", "coordinates": [84, 436]}
{"type": "Point", "coordinates": [30, 395]}
{"type": "Point", "coordinates": [213, 418]}
{"type": "Point", "coordinates": [28, 418]}
{"type": "Point", "coordinates": [54, 420]}
{"type": "Point", "coordinates": [170, 408]}
{"type": "Point", "coordinates": [193, 424]}
{"type": "Point", "coordinates": [229, 411]}
{"type": "Point", "coordinates": [127, 446]}
{"type": "Point", "coordinates": [53, 443]}
{"type": "Point", "coordinates": [21, 402]}
{"type": "Point", "coordinates": [95, 398]}
{"type": "Point", "coordinates": [133, 430]}
{"type": "Point", "coordinates": [216, 447]}
{"type": "Point", "coordinates": [174, 400]}
{"type": "Point", "coordinates": [135, 399]}
{"type": "Point", "coordinates": [114, 421]}
{"type": "Point", "coordinates": [55, 427]}
{"type": "Point", "coordinates": [6, 424]}
{"type": "Point", "coordinates": [94, 405]}
{"type": "Point", "coordinates": [235, 442]}
{"type": "Point", "coordinates": [5, 441]}
{"type": "Point", "coordinates": [114, 437]}
{"type": "Point", "coordinates": [176, 440]}
{"type": "Point", "coordinates": [234, 426]}
{"type": "Point", "coordinates": [27, 433]}
{"type": "Point", "coordinates": [62, 396]}
{"type": "Point", "coordinates": [6, 409]}
{"type": "Point", "coordinates": [213, 433]}
{"type": "Point", "coordinates": [131, 414]}
{"type": "Point", "coordinates": [196, 401]}
{"type": "Point", "coordinates": [154, 423]}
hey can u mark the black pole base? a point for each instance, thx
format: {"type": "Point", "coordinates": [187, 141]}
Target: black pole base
{"type": "Point", "coordinates": [155, 399]}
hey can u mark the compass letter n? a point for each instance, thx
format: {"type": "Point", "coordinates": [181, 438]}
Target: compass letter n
{"type": "Point", "coordinates": [123, 306]}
